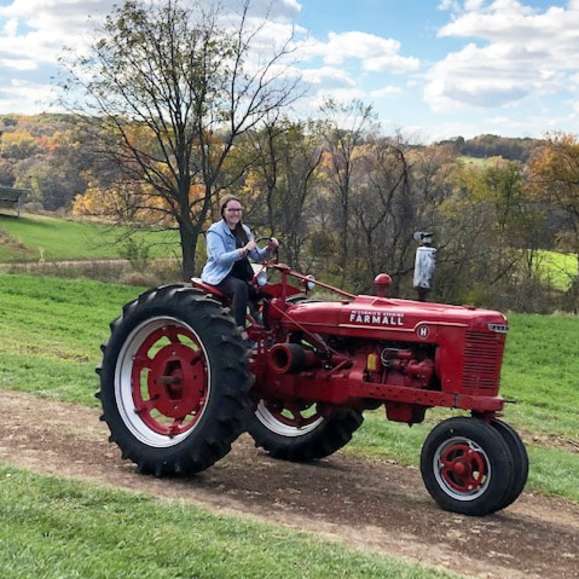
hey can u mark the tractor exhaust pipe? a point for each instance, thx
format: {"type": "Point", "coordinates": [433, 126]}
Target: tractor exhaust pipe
{"type": "Point", "coordinates": [289, 358]}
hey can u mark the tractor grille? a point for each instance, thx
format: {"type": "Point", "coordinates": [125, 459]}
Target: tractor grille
{"type": "Point", "coordinates": [483, 355]}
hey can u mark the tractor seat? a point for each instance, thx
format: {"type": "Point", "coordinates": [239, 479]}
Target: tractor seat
{"type": "Point", "coordinates": [208, 288]}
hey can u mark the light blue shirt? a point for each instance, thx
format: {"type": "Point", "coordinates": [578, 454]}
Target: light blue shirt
{"type": "Point", "coordinates": [222, 253]}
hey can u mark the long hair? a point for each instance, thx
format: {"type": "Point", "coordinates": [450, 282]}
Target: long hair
{"type": "Point", "coordinates": [239, 232]}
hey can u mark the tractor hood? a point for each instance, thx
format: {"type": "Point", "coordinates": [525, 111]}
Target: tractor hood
{"type": "Point", "coordinates": [375, 313]}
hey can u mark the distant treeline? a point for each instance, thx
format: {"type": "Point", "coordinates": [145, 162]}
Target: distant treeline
{"type": "Point", "coordinates": [53, 155]}
{"type": "Point", "coordinates": [485, 146]}
{"type": "Point", "coordinates": [344, 201]}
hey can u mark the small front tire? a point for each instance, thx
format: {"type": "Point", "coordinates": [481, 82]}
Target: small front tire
{"type": "Point", "coordinates": [466, 466]}
{"type": "Point", "coordinates": [520, 460]}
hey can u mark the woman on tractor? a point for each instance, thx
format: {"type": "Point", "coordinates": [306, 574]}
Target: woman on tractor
{"type": "Point", "coordinates": [229, 245]}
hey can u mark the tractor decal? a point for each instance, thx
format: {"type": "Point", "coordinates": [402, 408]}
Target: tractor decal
{"type": "Point", "coordinates": [376, 318]}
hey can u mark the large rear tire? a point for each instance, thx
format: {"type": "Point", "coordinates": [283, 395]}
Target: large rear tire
{"type": "Point", "coordinates": [174, 381]}
{"type": "Point", "coordinates": [302, 432]}
{"type": "Point", "coordinates": [467, 466]}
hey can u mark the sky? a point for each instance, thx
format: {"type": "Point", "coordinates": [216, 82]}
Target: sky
{"type": "Point", "coordinates": [431, 69]}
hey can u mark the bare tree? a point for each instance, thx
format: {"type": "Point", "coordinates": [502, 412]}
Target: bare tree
{"type": "Point", "coordinates": [343, 132]}
{"type": "Point", "coordinates": [288, 155]}
{"type": "Point", "coordinates": [173, 89]}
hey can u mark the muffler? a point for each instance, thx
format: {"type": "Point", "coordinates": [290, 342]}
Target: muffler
{"type": "Point", "coordinates": [290, 358]}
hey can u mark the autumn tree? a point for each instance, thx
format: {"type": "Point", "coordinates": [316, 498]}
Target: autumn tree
{"type": "Point", "coordinates": [554, 179]}
{"type": "Point", "coordinates": [491, 236]}
{"type": "Point", "coordinates": [194, 85]}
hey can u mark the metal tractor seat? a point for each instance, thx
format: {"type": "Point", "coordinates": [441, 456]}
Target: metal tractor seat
{"type": "Point", "coordinates": [199, 283]}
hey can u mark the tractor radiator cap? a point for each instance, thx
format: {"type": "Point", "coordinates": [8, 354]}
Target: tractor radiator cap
{"type": "Point", "coordinates": [382, 283]}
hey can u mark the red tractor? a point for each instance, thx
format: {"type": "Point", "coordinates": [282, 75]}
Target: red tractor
{"type": "Point", "coordinates": [180, 382]}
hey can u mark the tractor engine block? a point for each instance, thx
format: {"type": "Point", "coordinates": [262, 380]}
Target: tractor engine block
{"type": "Point", "coordinates": [399, 367]}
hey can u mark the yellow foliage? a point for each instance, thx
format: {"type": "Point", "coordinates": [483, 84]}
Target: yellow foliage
{"type": "Point", "coordinates": [18, 144]}
{"type": "Point", "coordinates": [135, 203]}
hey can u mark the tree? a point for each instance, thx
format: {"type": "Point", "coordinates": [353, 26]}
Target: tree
{"type": "Point", "coordinates": [287, 155]}
{"type": "Point", "coordinates": [173, 90]}
{"type": "Point", "coordinates": [343, 130]}
{"type": "Point", "coordinates": [554, 178]}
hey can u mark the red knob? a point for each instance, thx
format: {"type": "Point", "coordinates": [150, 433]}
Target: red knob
{"type": "Point", "coordinates": [382, 283]}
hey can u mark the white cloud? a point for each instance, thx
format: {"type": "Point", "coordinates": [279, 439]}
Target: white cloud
{"type": "Point", "coordinates": [387, 90]}
{"type": "Point", "coordinates": [326, 74]}
{"type": "Point", "coordinates": [340, 95]}
{"type": "Point", "coordinates": [53, 23]}
{"type": "Point", "coordinates": [35, 31]}
{"type": "Point", "coordinates": [27, 97]}
{"type": "Point", "coordinates": [18, 63]}
{"type": "Point", "coordinates": [49, 25]}
{"type": "Point", "coordinates": [276, 9]}
{"type": "Point", "coordinates": [11, 27]}
{"type": "Point", "coordinates": [523, 51]}
{"type": "Point", "coordinates": [375, 53]}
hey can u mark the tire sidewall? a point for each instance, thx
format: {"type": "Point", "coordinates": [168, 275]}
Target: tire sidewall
{"type": "Point", "coordinates": [520, 460]}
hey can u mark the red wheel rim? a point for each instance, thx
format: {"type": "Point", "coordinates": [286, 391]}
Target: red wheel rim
{"type": "Point", "coordinates": [463, 467]}
{"type": "Point", "coordinates": [294, 415]}
{"type": "Point", "coordinates": [169, 380]}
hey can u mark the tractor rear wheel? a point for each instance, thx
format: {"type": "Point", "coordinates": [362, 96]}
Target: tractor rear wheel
{"type": "Point", "coordinates": [174, 381]}
{"type": "Point", "coordinates": [467, 466]}
{"type": "Point", "coordinates": [302, 432]}
{"type": "Point", "coordinates": [520, 460]}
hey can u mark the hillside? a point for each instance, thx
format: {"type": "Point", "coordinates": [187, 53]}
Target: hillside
{"type": "Point", "coordinates": [46, 238]}
{"type": "Point", "coordinates": [486, 146]}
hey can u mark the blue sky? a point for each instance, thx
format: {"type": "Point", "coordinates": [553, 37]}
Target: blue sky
{"type": "Point", "coordinates": [431, 69]}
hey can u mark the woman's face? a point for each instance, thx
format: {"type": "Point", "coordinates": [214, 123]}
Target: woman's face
{"type": "Point", "coordinates": [232, 213]}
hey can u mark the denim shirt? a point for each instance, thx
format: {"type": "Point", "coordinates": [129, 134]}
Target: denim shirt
{"type": "Point", "coordinates": [222, 254]}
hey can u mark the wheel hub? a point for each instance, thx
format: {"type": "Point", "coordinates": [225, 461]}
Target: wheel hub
{"type": "Point", "coordinates": [176, 380]}
{"type": "Point", "coordinates": [169, 382]}
{"type": "Point", "coordinates": [463, 468]}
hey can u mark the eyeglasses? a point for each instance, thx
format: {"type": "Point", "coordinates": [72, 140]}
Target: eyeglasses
{"type": "Point", "coordinates": [236, 210]}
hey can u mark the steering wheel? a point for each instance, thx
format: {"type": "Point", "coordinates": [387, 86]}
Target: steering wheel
{"type": "Point", "coordinates": [275, 257]}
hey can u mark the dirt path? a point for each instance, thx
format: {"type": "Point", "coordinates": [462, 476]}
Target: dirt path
{"type": "Point", "coordinates": [369, 505]}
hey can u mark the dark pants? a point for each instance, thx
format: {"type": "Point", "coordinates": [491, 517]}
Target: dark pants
{"type": "Point", "coordinates": [239, 292]}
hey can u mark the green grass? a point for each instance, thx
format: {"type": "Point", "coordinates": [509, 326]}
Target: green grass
{"type": "Point", "coordinates": [51, 331]}
{"type": "Point", "coordinates": [558, 268]}
{"type": "Point", "coordinates": [479, 162]}
{"type": "Point", "coordinates": [55, 528]}
{"type": "Point", "coordinates": [34, 237]}
{"type": "Point", "coordinates": [541, 371]}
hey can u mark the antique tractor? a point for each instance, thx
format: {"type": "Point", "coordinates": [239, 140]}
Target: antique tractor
{"type": "Point", "coordinates": [180, 382]}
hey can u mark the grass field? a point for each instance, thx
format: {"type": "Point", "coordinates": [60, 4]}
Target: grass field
{"type": "Point", "coordinates": [558, 268]}
{"type": "Point", "coordinates": [53, 327]}
{"type": "Point", "coordinates": [55, 528]}
{"type": "Point", "coordinates": [35, 237]}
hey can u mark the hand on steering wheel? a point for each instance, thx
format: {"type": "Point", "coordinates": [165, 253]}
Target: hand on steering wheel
{"type": "Point", "coordinates": [272, 245]}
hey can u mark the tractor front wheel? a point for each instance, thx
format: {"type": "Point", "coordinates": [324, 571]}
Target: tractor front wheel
{"type": "Point", "coordinates": [174, 381]}
{"type": "Point", "coordinates": [467, 466]}
{"type": "Point", "coordinates": [302, 432]}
